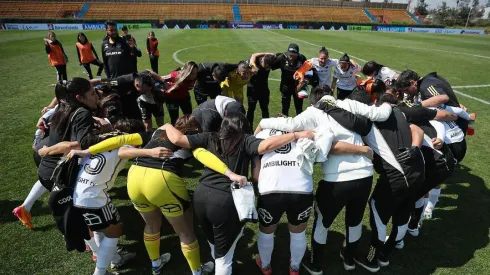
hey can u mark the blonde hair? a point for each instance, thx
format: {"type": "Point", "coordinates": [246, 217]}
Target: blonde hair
{"type": "Point", "coordinates": [185, 72]}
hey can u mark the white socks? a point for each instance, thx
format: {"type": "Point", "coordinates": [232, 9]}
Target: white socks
{"type": "Point", "coordinates": [265, 243]}
{"type": "Point", "coordinates": [107, 249]}
{"type": "Point", "coordinates": [93, 245]}
{"type": "Point", "coordinates": [156, 263]}
{"type": "Point", "coordinates": [36, 192]}
{"type": "Point", "coordinates": [298, 248]}
{"type": "Point", "coordinates": [433, 198]}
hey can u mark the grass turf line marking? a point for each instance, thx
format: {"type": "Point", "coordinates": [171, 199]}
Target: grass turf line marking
{"type": "Point", "coordinates": [471, 86]}
{"type": "Point", "coordinates": [316, 45]}
{"type": "Point", "coordinates": [422, 49]}
{"type": "Point", "coordinates": [176, 53]}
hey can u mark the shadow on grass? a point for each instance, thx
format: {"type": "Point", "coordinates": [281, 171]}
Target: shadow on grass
{"type": "Point", "coordinates": [459, 228]}
{"type": "Point", "coordinates": [451, 238]}
{"type": "Point", "coordinates": [7, 206]}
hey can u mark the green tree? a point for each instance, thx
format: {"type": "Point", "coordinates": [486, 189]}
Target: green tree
{"type": "Point", "coordinates": [421, 8]}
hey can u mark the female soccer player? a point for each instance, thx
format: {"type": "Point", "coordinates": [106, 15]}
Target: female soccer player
{"type": "Point", "coordinates": [213, 201]}
{"type": "Point", "coordinates": [344, 77]}
{"type": "Point", "coordinates": [232, 85]}
{"type": "Point", "coordinates": [323, 66]}
{"type": "Point", "coordinates": [152, 51]}
{"type": "Point", "coordinates": [155, 186]}
{"type": "Point", "coordinates": [180, 81]}
{"type": "Point", "coordinates": [56, 55]}
{"type": "Point", "coordinates": [87, 55]}
{"type": "Point", "coordinates": [72, 121]}
{"type": "Point", "coordinates": [378, 71]}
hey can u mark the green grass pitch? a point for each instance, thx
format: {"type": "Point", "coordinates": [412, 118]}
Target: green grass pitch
{"type": "Point", "coordinates": [454, 242]}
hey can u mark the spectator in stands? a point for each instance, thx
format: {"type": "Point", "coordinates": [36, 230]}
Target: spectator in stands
{"type": "Point", "coordinates": [57, 56]}
{"type": "Point", "coordinates": [137, 53]}
{"type": "Point", "coordinates": [87, 55]}
{"type": "Point", "coordinates": [152, 51]}
{"type": "Point", "coordinates": [117, 54]}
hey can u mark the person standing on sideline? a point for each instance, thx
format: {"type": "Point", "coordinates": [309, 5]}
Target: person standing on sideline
{"type": "Point", "coordinates": [137, 53]}
{"type": "Point", "coordinates": [87, 55]}
{"type": "Point", "coordinates": [117, 54]}
{"type": "Point", "coordinates": [152, 51]}
{"type": "Point", "coordinates": [57, 56]}
{"type": "Point", "coordinates": [289, 62]}
{"type": "Point", "coordinates": [344, 77]}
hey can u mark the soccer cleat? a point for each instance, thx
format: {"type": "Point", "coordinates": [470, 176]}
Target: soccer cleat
{"type": "Point", "coordinates": [369, 262]}
{"type": "Point", "coordinates": [207, 268]}
{"type": "Point", "coordinates": [125, 257]}
{"type": "Point", "coordinates": [349, 263]}
{"type": "Point", "coordinates": [428, 213]}
{"type": "Point", "coordinates": [164, 259]}
{"type": "Point", "coordinates": [312, 268]}
{"type": "Point", "coordinates": [398, 245]}
{"type": "Point", "coordinates": [265, 270]}
{"type": "Point", "coordinates": [23, 215]}
{"type": "Point", "coordinates": [383, 260]}
{"type": "Point", "coordinates": [414, 232]}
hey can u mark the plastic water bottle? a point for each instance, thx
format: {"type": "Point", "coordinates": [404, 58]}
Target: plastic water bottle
{"type": "Point", "coordinates": [471, 128]}
{"type": "Point", "coordinates": [37, 137]}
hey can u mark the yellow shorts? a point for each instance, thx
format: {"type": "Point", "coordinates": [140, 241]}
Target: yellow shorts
{"type": "Point", "coordinates": [151, 188]}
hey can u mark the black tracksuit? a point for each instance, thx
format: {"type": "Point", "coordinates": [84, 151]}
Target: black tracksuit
{"type": "Point", "coordinates": [118, 57]}
{"type": "Point", "coordinates": [288, 84]}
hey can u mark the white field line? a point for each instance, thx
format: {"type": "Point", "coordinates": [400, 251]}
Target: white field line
{"type": "Point", "coordinates": [458, 92]}
{"type": "Point", "coordinates": [176, 53]}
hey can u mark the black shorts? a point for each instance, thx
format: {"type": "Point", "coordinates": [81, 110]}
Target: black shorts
{"type": "Point", "coordinates": [343, 94]}
{"type": "Point", "coordinates": [458, 149]}
{"type": "Point", "coordinates": [149, 109]}
{"type": "Point", "coordinates": [298, 208]}
{"type": "Point", "coordinates": [98, 219]}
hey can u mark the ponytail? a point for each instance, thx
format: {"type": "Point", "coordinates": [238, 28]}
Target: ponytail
{"type": "Point", "coordinates": [323, 50]}
{"type": "Point", "coordinates": [345, 58]}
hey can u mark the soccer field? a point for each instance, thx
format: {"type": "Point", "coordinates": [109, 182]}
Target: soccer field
{"type": "Point", "coordinates": [455, 241]}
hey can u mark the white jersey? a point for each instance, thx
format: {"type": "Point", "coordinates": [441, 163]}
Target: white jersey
{"type": "Point", "coordinates": [97, 175]}
{"type": "Point", "coordinates": [386, 75]}
{"type": "Point", "coordinates": [346, 80]}
{"type": "Point", "coordinates": [280, 171]}
{"type": "Point", "coordinates": [453, 134]}
{"type": "Point", "coordinates": [324, 72]}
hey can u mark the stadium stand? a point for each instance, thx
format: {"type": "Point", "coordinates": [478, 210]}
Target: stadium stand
{"type": "Point", "coordinates": [308, 10]}
{"type": "Point", "coordinates": [303, 13]}
{"type": "Point", "coordinates": [31, 9]}
{"type": "Point", "coordinates": [158, 11]}
{"type": "Point", "coordinates": [388, 16]}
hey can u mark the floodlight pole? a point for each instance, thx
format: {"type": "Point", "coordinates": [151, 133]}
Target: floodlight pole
{"type": "Point", "coordinates": [468, 19]}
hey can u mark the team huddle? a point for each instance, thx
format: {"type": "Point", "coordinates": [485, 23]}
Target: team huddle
{"type": "Point", "coordinates": [410, 129]}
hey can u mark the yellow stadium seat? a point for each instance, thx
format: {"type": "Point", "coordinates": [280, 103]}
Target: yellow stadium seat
{"type": "Point", "coordinates": [392, 15]}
